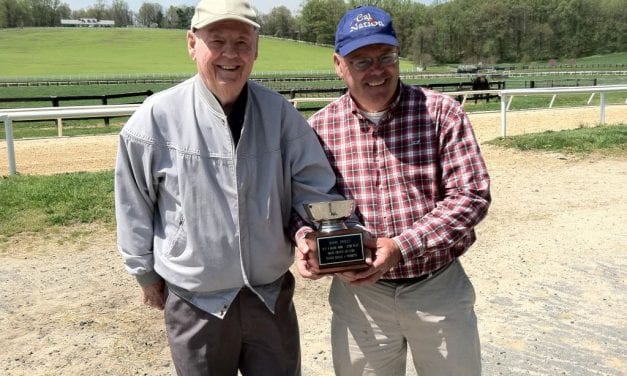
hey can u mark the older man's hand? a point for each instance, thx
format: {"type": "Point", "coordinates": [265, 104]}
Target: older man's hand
{"type": "Point", "coordinates": [154, 295]}
{"type": "Point", "coordinates": [306, 260]}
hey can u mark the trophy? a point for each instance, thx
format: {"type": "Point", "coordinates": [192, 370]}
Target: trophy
{"type": "Point", "coordinates": [339, 248]}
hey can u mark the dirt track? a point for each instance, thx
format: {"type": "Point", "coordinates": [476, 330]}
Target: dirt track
{"type": "Point", "coordinates": [548, 268]}
{"type": "Point", "coordinates": [54, 155]}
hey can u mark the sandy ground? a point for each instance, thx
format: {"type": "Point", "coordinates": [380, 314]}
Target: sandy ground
{"type": "Point", "coordinates": [548, 268]}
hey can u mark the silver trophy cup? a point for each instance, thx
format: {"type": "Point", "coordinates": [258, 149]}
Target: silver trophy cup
{"type": "Point", "coordinates": [339, 248]}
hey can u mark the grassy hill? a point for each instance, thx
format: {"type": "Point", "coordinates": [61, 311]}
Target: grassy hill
{"type": "Point", "coordinates": [615, 58]}
{"type": "Point", "coordinates": [92, 51]}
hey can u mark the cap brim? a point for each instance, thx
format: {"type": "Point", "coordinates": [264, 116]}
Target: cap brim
{"type": "Point", "coordinates": [201, 24]}
{"type": "Point", "coordinates": [366, 41]}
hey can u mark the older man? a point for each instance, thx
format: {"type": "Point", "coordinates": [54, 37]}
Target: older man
{"type": "Point", "coordinates": [209, 178]}
{"type": "Point", "coordinates": [409, 159]}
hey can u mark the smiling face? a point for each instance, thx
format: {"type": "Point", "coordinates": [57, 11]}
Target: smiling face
{"type": "Point", "coordinates": [224, 53]}
{"type": "Point", "coordinates": [373, 88]}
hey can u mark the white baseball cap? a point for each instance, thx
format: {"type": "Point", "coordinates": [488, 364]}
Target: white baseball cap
{"type": "Point", "coordinates": [211, 11]}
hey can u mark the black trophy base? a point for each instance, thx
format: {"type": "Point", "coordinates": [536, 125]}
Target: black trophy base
{"type": "Point", "coordinates": [329, 269]}
{"type": "Point", "coordinates": [340, 251]}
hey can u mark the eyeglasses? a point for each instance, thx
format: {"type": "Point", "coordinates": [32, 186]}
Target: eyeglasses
{"type": "Point", "coordinates": [363, 63]}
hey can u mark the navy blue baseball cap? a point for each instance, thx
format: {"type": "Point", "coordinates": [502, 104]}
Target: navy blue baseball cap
{"type": "Point", "coordinates": [364, 26]}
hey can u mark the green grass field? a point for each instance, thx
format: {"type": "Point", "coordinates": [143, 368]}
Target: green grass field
{"type": "Point", "coordinates": [610, 140]}
{"type": "Point", "coordinates": [62, 52]}
{"type": "Point", "coordinates": [615, 58]}
{"type": "Point", "coordinates": [34, 203]}
{"type": "Point", "coordinates": [54, 52]}
{"type": "Point", "coordinates": [34, 52]}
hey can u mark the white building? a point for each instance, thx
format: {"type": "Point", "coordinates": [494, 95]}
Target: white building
{"type": "Point", "coordinates": [88, 22]}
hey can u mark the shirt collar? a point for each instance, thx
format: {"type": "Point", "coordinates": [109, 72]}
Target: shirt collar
{"type": "Point", "coordinates": [365, 125]}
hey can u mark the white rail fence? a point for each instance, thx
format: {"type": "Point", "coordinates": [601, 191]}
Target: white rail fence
{"type": "Point", "coordinates": [508, 94]}
{"type": "Point", "coordinates": [58, 113]}
{"type": "Point", "coordinates": [82, 112]}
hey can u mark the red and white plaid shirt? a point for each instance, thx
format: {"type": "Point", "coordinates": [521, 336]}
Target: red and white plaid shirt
{"type": "Point", "coordinates": [417, 177]}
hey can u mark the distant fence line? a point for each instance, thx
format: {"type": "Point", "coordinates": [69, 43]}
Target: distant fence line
{"type": "Point", "coordinates": [314, 98]}
{"type": "Point", "coordinates": [288, 93]}
{"type": "Point", "coordinates": [267, 77]}
{"type": "Point", "coordinates": [565, 66]}
{"type": "Point", "coordinates": [56, 99]}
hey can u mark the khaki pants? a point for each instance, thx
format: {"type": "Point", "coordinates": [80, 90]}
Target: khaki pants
{"type": "Point", "coordinates": [372, 326]}
{"type": "Point", "coordinates": [249, 338]}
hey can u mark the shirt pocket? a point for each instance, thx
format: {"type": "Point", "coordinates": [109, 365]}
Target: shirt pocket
{"type": "Point", "coordinates": [178, 242]}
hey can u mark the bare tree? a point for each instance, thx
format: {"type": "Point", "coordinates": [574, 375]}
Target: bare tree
{"type": "Point", "coordinates": [150, 14]}
{"type": "Point", "coordinates": [120, 13]}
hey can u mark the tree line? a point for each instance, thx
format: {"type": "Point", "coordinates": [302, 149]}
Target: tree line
{"type": "Point", "coordinates": [49, 13]}
{"type": "Point", "coordinates": [456, 31]}
{"type": "Point", "coordinates": [473, 31]}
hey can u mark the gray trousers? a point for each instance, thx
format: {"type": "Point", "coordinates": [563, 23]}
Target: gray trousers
{"type": "Point", "coordinates": [250, 338]}
{"type": "Point", "coordinates": [372, 326]}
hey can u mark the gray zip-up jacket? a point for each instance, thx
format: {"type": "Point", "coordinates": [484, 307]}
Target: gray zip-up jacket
{"type": "Point", "coordinates": [201, 214]}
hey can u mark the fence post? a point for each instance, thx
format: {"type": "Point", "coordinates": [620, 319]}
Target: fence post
{"type": "Point", "coordinates": [55, 103]}
{"type": "Point", "coordinates": [503, 115]}
{"type": "Point", "coordinates": [8, 131]}
{"type": "Point", "coordinates": [602, 116]}
{"type": "Point", "coordinates": [104, 102]}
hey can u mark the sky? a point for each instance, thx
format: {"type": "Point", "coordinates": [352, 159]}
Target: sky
{"type": "Point", "coordinates": [264, 6]}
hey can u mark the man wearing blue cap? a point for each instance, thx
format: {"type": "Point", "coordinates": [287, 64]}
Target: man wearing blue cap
{"type": "Point", "coordinates": [409, 158]}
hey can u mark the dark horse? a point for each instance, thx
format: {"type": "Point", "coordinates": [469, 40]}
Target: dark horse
{"type": "Point", "coordinates": [481, 83]}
